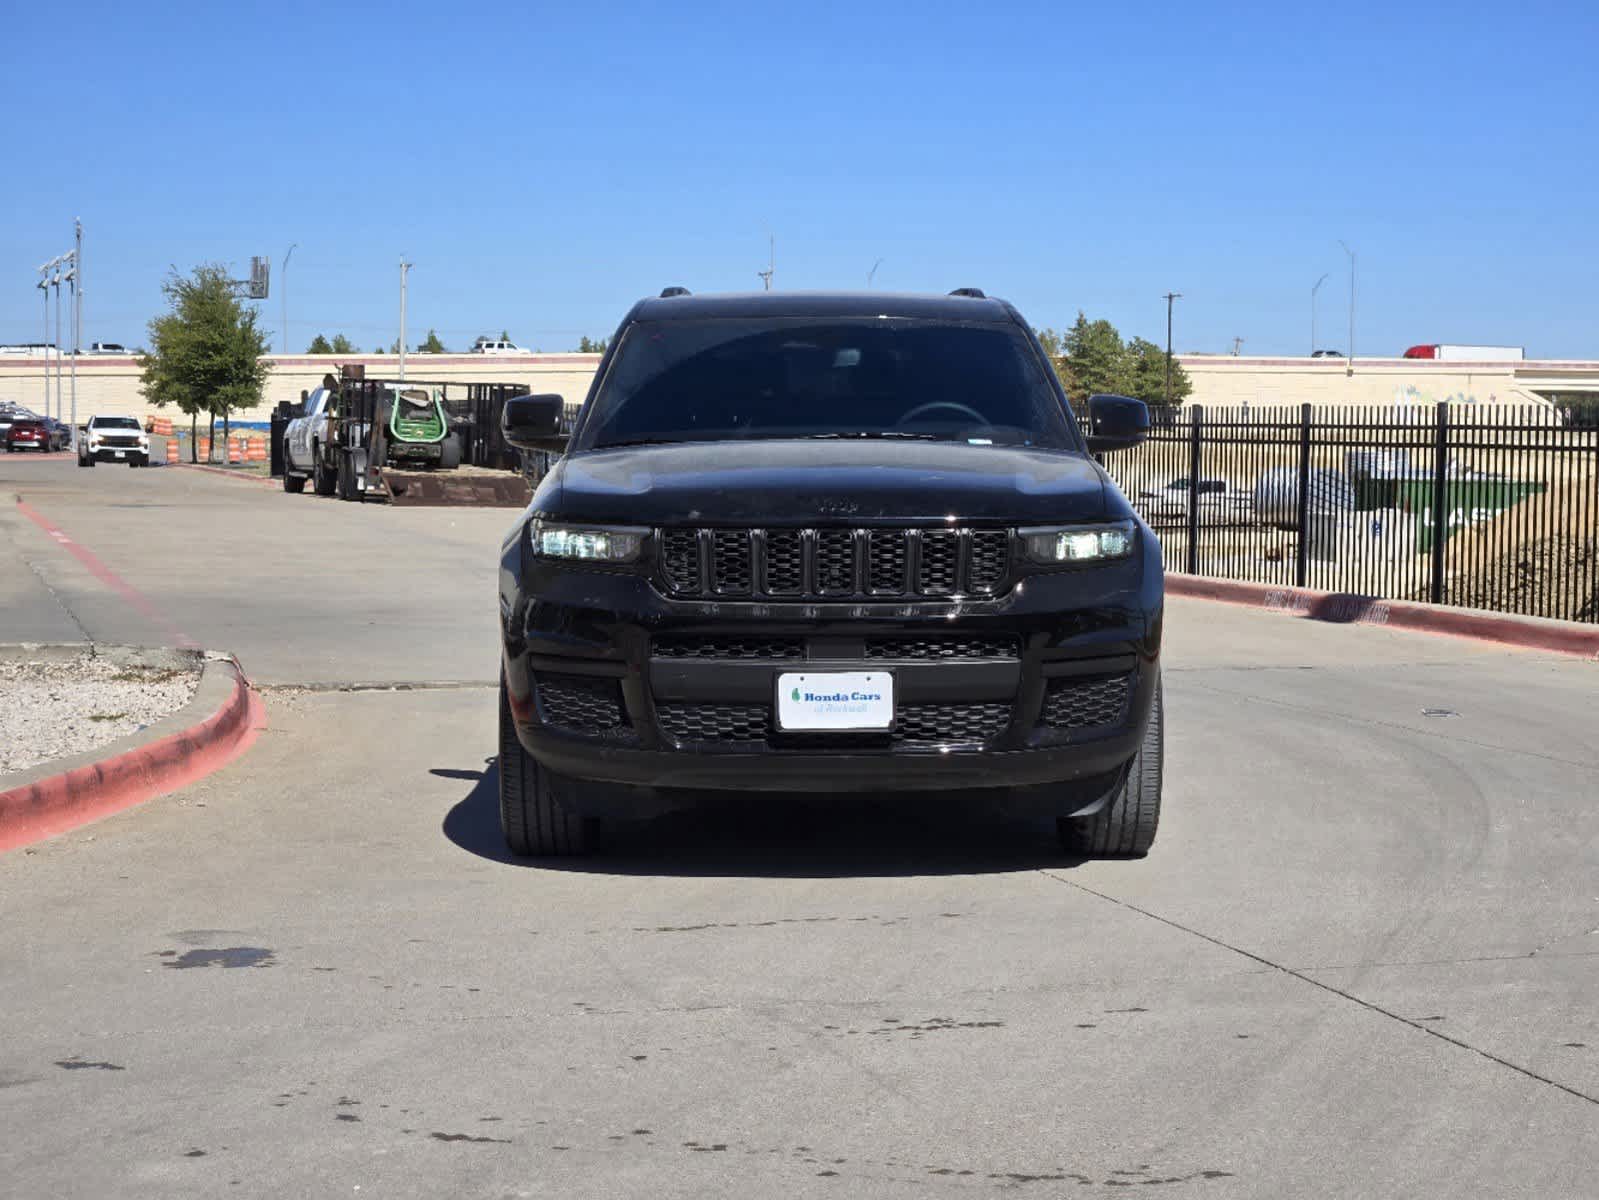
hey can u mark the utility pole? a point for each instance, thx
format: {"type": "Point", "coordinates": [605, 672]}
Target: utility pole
{"type": "Point", "coordinates": [873, 272]}
{"type": "Point", "coordinates": [55, 282]}
{"type": "Point", "coordinates": [1350, 370]}
{"type": "Point", "coordinates": [771, 262]}
{"type": "Point", "coordinates": [1170, 296]}
{"type": "Point", "coordinates": [44, 286]}
{"type": "Point", "coordinates": [283, 284]}
{"type": "Point", "coordinates": [1316, 287]}
{"type": "Point", "coordinates": [405, 267]}
{"type": "Point", "coordinates": [1238, 343]}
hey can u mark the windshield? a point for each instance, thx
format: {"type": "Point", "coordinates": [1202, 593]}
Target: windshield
{"type": "Point", "coordinates": [114, 423]}
{"type": "Point", "coordinates": [737, 379]}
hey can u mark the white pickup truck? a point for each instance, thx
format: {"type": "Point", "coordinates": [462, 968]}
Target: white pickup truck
{"type": "Point", "coordinates": [303, 444]}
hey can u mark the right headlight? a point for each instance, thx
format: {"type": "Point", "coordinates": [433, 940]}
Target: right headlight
{"type": "Point", "coordinates": [1066, 544]}
{"type": "Point", "coordinates": [587, 543]}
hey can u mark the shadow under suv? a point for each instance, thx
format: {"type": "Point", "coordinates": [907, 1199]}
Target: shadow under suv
{"type": "Point", "coordinates": [828, 543]}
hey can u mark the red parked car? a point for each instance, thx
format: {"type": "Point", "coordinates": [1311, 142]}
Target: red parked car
{"type": "Point", "coordinates": [28, 435]}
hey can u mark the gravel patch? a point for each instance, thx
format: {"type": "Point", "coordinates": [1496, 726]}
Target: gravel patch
{"type": "Point", "coordinates": [57, 705]}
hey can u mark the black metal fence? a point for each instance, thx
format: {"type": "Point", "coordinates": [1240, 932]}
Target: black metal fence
{"type": "Point", "coordinates": [1480, 506]}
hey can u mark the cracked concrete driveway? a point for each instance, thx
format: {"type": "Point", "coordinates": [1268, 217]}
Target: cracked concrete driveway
{"type": "Point", "coordinates": [1360, 961]}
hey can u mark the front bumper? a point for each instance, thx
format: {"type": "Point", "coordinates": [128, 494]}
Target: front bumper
{"type": "Point", "coordinates": [1050, 684]}
{"type": "Point", "coordinates": [117, 454]}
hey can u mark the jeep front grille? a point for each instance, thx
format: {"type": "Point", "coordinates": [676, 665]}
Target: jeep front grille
{"type": "Point", "coordinates": [835, 564]}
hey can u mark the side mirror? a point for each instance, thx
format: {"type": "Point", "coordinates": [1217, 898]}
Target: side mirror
{"type": "Point", "coordinates": [535, 423]}
{"type": "Point", "coordinates": [1116, 423]}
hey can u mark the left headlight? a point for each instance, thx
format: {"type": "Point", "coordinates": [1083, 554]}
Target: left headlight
{"type": "Point", "coordinates": [1069, 544]}
{"type": "Point", "coordinates": [587, 543]}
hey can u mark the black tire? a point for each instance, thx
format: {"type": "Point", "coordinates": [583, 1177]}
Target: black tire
{"type": "Point", "coordinates": [323, 480]}
{"type": "Point", "coordinates": [292, 483]}
{"type": "Point", "coordinates": [346, 487]}
{"type": "Point", "coordinates": [1125, 827]}
{"type": "Point", "coordinates": [531, 817]}
{"type": "Point", "coordinates": [86, 462]}
{"type": "Point", "coordinates": [450, 452]}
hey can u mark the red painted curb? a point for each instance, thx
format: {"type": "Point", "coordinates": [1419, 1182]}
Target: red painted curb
{"type": "Point", "coordinates": [1345, 608]}
{"type": "Point", "coordinates": [61, 802]}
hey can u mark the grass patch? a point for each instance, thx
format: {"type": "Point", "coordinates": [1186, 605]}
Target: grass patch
{"type": "Point", "coordinates": [107, 716]}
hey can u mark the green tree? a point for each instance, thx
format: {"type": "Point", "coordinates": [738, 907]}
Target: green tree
{"type": "Point", "coordinates": [587, 345]}
{"type": "Point", "coordinates": [319, 345]}
{"type": "Point", "coordinates": [1148, 375]}
{"type": "Point", "coordinates": [1096, 359]}
{"type": "Point", "coordinates": [431, 345]}
{"type": "Point", "coordinates": [206, 351]}
{"type": "Point", "coordinates": [343, 345]}
{"type": "Point", "coordinates": [505, 335]}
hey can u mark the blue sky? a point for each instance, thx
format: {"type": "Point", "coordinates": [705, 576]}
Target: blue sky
{"type": "Point", "coordinates": [545, 165]}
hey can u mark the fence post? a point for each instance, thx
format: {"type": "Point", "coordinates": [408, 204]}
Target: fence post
{"type": "Point", "coordinates": [1195, 442]}
{"type": "Point", "coordinates": [1440, 501]}
{"type": "Point", "coordinates": [1302, 517]}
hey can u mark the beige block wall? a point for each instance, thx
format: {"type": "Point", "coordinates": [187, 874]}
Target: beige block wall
{"type": "Point", "coordinates": [1228, 382]}
{"type": "Point", "coordinates": [110, 385]}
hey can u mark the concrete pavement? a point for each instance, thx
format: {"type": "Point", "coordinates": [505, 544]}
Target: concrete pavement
{"type": "Point", "coordinates": [1360, 960]}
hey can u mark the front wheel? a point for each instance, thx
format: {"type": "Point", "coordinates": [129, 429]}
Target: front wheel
{"type": "Point", "coordinates": [324, 479]}
{"type": "Point", "coordinates": [531, 817]}
{"type": "Point", "coordinates": [1125, 827]}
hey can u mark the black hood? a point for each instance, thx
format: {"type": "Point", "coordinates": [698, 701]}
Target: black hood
{"type": "Point", "coordinates": [827, 482]}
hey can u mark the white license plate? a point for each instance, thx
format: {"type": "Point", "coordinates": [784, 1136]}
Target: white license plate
{"type": "Point", "coordinates": [121, 453]}
{"type": "Point", "coordinates": [835, 700]}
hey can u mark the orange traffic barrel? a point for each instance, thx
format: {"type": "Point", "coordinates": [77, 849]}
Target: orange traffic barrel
{"type": "Point", "coordinates": [172, 449]}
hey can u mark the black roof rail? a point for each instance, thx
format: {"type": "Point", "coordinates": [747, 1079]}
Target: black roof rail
{"type": "Point", "coordinates": [970, 293]}
{"type": "Point", "coordinates": [668, 292]}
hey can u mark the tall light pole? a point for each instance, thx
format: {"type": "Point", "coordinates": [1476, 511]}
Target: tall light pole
{"type": "Point", "coordinates": [72, 307]}
{"type": "Point", "coordinates": [405, 268]}
{"type": "Point", "coordinates": [1351, 368]}
{"type": "Point", "coordinates": [1170, 297]}
{"type": "Point", "coordinates": [283, 286]}
{"type": "Point", "coordinates": [77, 317]}
{"type": "Point", "coordinates": [873, 272]}
{"type": "Point", "coordinates": [1314, 288]}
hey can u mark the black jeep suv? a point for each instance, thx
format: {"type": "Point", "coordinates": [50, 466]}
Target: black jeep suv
{"type": "Point", "coordinates": [850, 542]}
